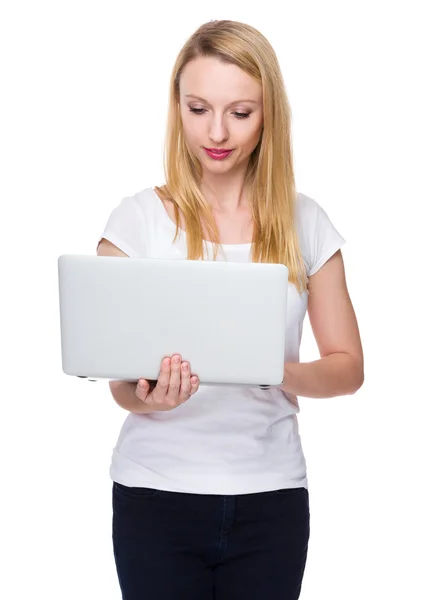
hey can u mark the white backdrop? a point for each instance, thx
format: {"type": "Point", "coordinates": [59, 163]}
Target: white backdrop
{"type": "Point", "coordinates": [83, 113]}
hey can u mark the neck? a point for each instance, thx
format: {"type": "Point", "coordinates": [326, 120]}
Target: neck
{"type": "Point", "coordinates": [228, 196]}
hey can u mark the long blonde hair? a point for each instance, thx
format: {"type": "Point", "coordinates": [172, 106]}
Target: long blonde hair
{"type": "Point", "coordinates": [270, 174]}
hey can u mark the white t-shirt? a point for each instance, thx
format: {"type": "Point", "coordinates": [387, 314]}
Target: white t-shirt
{"type": "Point", "coordinates": [224, 439]}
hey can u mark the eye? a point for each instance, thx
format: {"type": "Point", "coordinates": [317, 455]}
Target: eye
{"type": "Point", "coordinates": [200, 111]}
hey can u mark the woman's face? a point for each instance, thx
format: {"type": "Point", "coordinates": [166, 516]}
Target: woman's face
{"type": "Point", "coordinates": [228, 95]}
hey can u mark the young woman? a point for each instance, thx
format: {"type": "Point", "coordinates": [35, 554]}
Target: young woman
{"type": "Point", "coordinates": [210, 492]}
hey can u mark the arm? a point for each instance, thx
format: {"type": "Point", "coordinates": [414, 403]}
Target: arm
{"type": "Point", "coordinates": [123, 392]}
{"type": "Point", "coordinates": [340, 370]}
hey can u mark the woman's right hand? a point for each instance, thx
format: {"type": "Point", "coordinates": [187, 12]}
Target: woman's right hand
{"type": "Point", "coordinates": [174, 385]}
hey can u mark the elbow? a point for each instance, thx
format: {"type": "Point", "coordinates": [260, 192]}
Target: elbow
{"type": "Point", "coordinates": [357, 386]}
{"type": "Point", "coordinates": [353, 374]}
{"type": "Point", "coordinates": [358, 377]}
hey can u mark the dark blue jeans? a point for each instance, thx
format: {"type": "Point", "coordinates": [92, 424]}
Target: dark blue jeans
{"type": "Point", "coordinates": [180, 546]}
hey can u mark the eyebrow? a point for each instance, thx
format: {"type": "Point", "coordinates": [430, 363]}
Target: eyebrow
{"type": "Point", "coordinates": [230, 104]}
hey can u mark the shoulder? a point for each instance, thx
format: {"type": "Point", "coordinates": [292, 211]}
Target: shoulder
{"type": "Point", "coordinates": [318, 237]}
{"type": "Point", "coordinates": [144, 206]}
{"type": "Point", "coordinates": [129, 222]}
{"type": "Point", "coordinates": [167, 203]}
{"type": "Point", "coordinates": [307, 209]}
{"type": "Point", "coordinates": [139, 201]}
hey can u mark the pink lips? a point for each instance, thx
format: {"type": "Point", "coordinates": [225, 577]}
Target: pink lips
{"type": "Point", "coordinates": [217, 155]}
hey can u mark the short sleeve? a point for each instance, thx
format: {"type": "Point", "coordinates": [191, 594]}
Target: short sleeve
{"type": "Point", "coordinates": [125, 228]}
{"type": "Point", "coordinates": [318, 237]}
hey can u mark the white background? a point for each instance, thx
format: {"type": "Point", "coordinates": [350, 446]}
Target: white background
{"type": "Point", "coordinates": [84, 102]}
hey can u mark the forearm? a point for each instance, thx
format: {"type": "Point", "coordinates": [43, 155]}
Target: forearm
{"type": "Point", "coordinates": [337, 374]}
{"type": "Point", "coordinates": [123, 393]}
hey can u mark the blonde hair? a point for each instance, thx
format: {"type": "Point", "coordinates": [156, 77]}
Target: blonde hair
{"type": "Point", "coordinates": [270, 175]}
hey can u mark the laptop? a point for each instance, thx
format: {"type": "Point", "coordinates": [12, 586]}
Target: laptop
{"type": "Point", "coordinates": [120, 317]}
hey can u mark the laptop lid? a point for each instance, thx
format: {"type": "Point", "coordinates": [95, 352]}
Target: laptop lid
{"type": "Point", "coordinates": [120, 317]}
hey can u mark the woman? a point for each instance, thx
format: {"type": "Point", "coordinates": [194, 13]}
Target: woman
{"type": "Point", "coordinates": [210, 492]}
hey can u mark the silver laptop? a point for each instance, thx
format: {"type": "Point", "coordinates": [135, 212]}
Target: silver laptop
{"type": "Point", "coordinates": [120, 317]}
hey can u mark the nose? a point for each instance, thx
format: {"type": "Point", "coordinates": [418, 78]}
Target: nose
{"type": "Point", "coordinates": [218, 132]}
